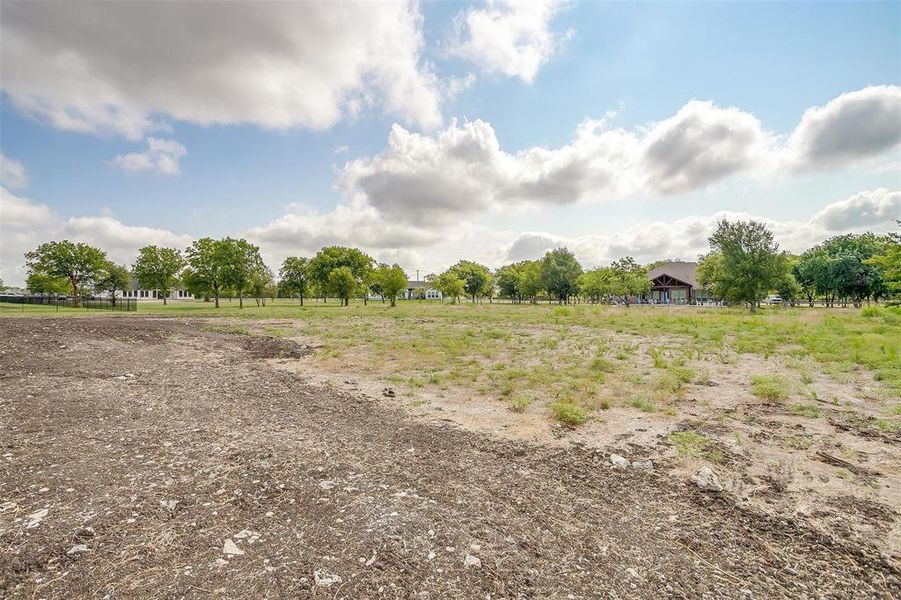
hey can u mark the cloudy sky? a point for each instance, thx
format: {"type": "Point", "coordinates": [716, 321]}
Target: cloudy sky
{"type": "Point", "coordinates": [425, 133]}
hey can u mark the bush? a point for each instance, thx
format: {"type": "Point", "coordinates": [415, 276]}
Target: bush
{"type": "Point", "coordinates": [811, 411]}
{"type": "Point", "coordinates": [769, 387]}
{"type": "Point", "coordinates": [569, 414]}
{"type": "Point", "coordinates": [642, 405]}
{"type": "Point", "coordinates": [689, 443]}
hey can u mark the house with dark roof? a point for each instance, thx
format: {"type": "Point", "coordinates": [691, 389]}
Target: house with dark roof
{"type": "Point", "coordinates": [676, 283]}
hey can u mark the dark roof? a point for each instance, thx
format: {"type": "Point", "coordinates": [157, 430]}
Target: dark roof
{"type": "Point", "coordinates": [683, 271]}
{"type": "Point", "coordinates": [412, 284]}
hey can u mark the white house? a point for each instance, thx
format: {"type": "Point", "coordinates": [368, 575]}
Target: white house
{"type": "Point", "coordinates": [415, 290]}
{"type": "Point", "coordinates": [134, 292]}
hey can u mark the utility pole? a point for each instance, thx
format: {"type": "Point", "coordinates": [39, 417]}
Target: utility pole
{"type": "Point", "coordinates": [417, 274]}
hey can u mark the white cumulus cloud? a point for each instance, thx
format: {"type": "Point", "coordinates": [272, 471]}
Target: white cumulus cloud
{"type": "Point", "coordinates": [686, 238]}
{"type": "Point", "coordinates": [853, 126]}
{"type": "Point", "coordinates": [12, 173]}
{"type": "Point", "coordinates": [25, 224]}
{"type": "Point", "coordinates": [162, 156]}
{"type": "Point", "coordinates": [509, 37]}
{"type": "Point", "coordinates": [865, 209]}
{"type": "Point", "coordinates": [121, 67]}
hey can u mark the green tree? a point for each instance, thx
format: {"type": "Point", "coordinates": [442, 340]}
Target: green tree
{"type": "Point", "coordinates": [241, 260]}
{"type": "Point", "coordinates": [530, 284]}
{"type": "Point", "coordinates": [78, 263]}
{"type": "Point", "coordinates": [630, 279]}
{"type": "Point", "coordinates": [598, 284]}
{"type": "Point", "coordinates": [342, 283]}
{"type": "Point", "coordinates": [39, 283]}
{"type": "Point", "coordinates": [508, 280]}
{"type": "Point", "coordinates": [888, 260]}
{"type": "Point", "coordinates": [260, 283]}
{"type": "Point", "coordinates": [113, 278]}
{"type": "Point", "coordinates": [158, 269]}
{"type": "Point", "coordinates": [476, 278]}
{"type": "Point", "coordinates": [207, 268]}
{"type": "Point", "coordinates": [295, 276]}
{"type": "Point", "coordinates": [750, 263]}
{"type": "Point", "coordinates": [391, 281]}
{"type": "Point", "coordinates": [449, 284]}
{"type": "Point", "coordinates": [560, 272]}
{"type": "Point", "coordinates": [331, 257]}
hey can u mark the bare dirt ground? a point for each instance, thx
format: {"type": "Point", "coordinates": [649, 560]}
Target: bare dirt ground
{"type": "Point", "coordinates": [151, 458]}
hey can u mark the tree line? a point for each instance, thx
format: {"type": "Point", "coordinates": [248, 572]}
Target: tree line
{"type": "Point", "coordinates": [744, 264]}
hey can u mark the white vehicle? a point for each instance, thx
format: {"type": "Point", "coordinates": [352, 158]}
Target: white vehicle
{"type": "Point", "coordinates": [773, 300]}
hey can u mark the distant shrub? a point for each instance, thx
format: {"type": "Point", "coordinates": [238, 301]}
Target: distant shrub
{"type": "Point", "coordinates": [807, 410]}
{"type": "Point", "coordinates": [689, 443]}
{"type": "Point", "coordinates": [871, 311]}
{"type": "Point", "coordinates": [769, 387]}
{"type": "Point", "coordinates": [642, 405]}
{"type": "Point", "coordinates": [519, 403]}
{"type": "Point", "coordinates": [567, 413]}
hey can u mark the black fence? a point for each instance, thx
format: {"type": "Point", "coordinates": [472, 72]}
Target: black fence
{"type": "Point", "coordinates": [57, 302]}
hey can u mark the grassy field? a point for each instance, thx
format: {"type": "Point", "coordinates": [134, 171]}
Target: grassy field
{"type": "Point", "coordinates": [579, 359]}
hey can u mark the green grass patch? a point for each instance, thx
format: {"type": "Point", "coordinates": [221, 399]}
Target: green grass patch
{"type": "Point", "coordinates": [770, 387]}
{"type": "Point", "coordinates": [811, 411]}
{"type": "Point", "coordinates": [689, 444]}
{"type": "Point", "coordinates": [568, 413]}
{"type": "Point", "coordinates": [642, 405]}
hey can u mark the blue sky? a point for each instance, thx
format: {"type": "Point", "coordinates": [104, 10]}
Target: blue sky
{"type": "Point", "coordinates": [633, 65]}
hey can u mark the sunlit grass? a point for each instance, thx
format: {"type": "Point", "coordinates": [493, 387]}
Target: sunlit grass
{"type": "Point", "coordinates": [586, 357]}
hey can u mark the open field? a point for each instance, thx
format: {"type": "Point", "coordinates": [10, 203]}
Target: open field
{"type": "Point", "coordinates": [385, 445]}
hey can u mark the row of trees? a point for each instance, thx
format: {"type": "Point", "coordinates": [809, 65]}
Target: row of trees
{"type": "Point", "coordinates": [743, 266]}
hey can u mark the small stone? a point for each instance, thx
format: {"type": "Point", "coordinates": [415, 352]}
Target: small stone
{"type": "Point", "coordinates": [472, 561]}
{"type": "Point", "coordinates": [169, 504]}
{"type": "Point", "coordinates": [231, 549]}
{"type": "Point", "coordinates": [707, 480]}
{"type": "Point", "coordinates": [643, 465]}
{"type": "Point", "coordinates": [388, 393]}
{"type": "Point", "coordinates": [431, 555]}
{"type": "Point", "coordinates": [35, 518]}
{"type": "Point", "coordinates": [326, 484]}
{"type": "Point", "coordinates": [475, 547]}
{"type": "Point", "coordinates": [323, 578]}
{"type": "Point", "coordinates": [77, 549]}
{"type": "Point", "coordinates": [620, 462]}
{"type": "Point", "coordinates": [220, 562]}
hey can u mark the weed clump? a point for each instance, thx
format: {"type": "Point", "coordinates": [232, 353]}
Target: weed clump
{"type": "Point", "coordinates": [811, 411]}
{"type": "Point", "coordinates": [568, 414]}
{"type": "Point", "coordinates": [769, 387]}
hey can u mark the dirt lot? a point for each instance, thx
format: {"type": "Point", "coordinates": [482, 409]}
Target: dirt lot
{"type": "Point", "coordinates": [155, 458]}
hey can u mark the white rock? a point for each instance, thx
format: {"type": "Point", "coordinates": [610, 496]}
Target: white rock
{"type": "Point", "coordinates": [326, 484]}
{"type": "Point", "coordinates": [431, 555]}
{"type": "Point", "coordinates": [371, 560]}
{"type": "Point", "coordinates": [9, 505]}
{"type": "Point", "coordinates": [618, 461]}
{"type": "Point", "coordinates": [77, 549]}
{"type": "Point", "coordinates": [707, 480]}
{"type": "Point", "coordinates": [220, 562]}
{"type": "Point", "coordinates": [35, 518]}
{"type": "Point", "coordinates": [231, 549]}
{"type": "Point", "coordinates": [643, 465]}
{"type": "Point", "coordinates": [245, 533]}
{"type": "Point", "coordinates": [169, 504]}
{"type": "Point", "coordinates": [324, 578]}
{"type": "Point", "coordinates": [472, 561]}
